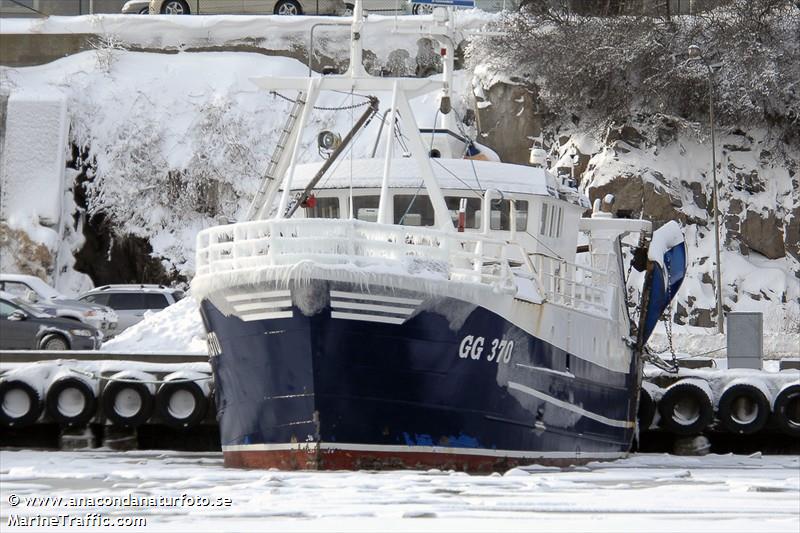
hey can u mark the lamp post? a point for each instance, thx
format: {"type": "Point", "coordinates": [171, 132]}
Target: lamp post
{"type": "Point", "coordinates": [695, 54]}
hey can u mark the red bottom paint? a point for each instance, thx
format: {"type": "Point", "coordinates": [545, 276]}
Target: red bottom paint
{"type": "Point", "coordinates": [378, 460]}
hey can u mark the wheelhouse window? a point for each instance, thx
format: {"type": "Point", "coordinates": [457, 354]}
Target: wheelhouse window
{"type": "Point", "coordinates": [501, 215]}
{"type": "Point", "coordinates": [413, 210]}
{"type": "Point", "coordinates": [552, 220]}
{"type": "Point", "coordinates": [472, 214]}
{"type": "Point", "coordinates": [324, 208]}
{"type": "Point", "coordinates": [366, 208]}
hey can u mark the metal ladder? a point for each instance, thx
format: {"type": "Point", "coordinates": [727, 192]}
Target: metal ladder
{"type": "Point", "coordinates": [268, 181]}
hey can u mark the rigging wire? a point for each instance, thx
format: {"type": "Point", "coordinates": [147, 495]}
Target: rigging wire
{"type": "Point", "coordinates": [462, 130]}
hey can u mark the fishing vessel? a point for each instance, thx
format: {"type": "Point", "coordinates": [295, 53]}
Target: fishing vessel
{"type": "Point", "coordinates": [426, 307]}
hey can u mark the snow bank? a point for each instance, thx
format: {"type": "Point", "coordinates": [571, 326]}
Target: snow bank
{"type": "Point", "coordinates": [32, 174]}
{"type": "Point", "coordinates": [288, 34]}
{"type": "Point", "coordinates": [178, 328]}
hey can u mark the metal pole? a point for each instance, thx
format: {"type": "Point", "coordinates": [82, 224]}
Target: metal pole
{"type": "Point", "coordinates": [383, 203]}
{"type": "Point", "coordinates": [720, 321]}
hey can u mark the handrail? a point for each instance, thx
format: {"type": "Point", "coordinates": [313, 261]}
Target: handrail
{"type": "Point", "coordinates": [283, 242]}
{"type": "Point", "coordinates": [467, 257]}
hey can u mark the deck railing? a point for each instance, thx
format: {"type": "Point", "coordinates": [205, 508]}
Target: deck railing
{"type": "Point", "coordinates": [463, 257]}
{"type": "Point", "coordinates": [573, 285]}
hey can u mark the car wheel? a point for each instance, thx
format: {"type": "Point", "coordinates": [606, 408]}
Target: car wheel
{"type": "Point", "coordinates": [348, 10]}
{"type": "Point", "coordinates": [55, 342]}
{"type": "Point", "coordinates": [144, 11]}
{"type": "Point", "coordinates": [175, 7]}
{"type": "Point", "coordinates": [288, 7]}
{"type": "Point", "coordinates": [421, 9]}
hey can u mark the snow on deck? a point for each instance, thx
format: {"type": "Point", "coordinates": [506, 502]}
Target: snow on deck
{"type": "Point", "coordinates": [643, 493]}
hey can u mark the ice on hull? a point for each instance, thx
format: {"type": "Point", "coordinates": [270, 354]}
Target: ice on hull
{"type": "Point", "coordinates": [330, 375]}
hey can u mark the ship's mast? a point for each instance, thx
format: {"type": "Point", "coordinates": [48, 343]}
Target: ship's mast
{"type": "Point", "coordinates": [356, 79]}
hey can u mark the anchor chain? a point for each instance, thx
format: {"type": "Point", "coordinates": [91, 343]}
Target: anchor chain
{"type": "Point", "coordinates": [322, 108]}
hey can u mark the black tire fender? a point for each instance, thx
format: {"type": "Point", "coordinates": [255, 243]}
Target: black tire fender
{"type": "Point", "coordinates": [132, 419]}
{"type": "Point", "coordinates": [786, 410]}
{"type": "Point", "coordinates": [686, 394]}
{"type": "Point", "coordinates": [741, 423]}
{"type": "Point", "coordinates": [646, 411]}
{"type": "Point", "coordinates": [10, 415]}
{"type": "Point", "coordinates": [55, 409]}
{"type": "Point", "coordinates": [165, 410]}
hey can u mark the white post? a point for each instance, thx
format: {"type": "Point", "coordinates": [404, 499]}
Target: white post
{"type": "Point", "coordinates": [486, 211]}
{"type": "Point", "coordinates": [313, 89]}
{"type": "Point", "coordinates": [356, 68]}
{"type": "Point", "coordinates": [408, 125]}
{"type": "Point", "coordinates": [512, 212]}
{"type": "Point", "coordinates": [383, 204]}
{"type": "Point", "coordinates": [448, 67]}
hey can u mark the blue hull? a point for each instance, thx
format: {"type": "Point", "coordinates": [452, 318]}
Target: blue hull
{"type": "Point", "coordinates": [321, 391]}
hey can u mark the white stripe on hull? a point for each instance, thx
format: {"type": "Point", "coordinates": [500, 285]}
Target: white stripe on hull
{"type": "Point", "coordinates": [310, 446]}
{"type": "Point", "coordinates": [403, 311]}
{"type": "Point", "coordinates": [266, 316]}
{"type": "Point", "coordinates": [262, 306]}
{"type": "Point", "coordinates": [258, 295]}
{"type": "Point", "coordinates": [570, 407]}
{"type": "Point", "coordinates": [374, 297]}
{"type": "Point", "coordinates": [368, 318]}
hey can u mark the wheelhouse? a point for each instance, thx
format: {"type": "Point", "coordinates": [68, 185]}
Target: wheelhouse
{"type": "Point", "coordinates": [531, 209]}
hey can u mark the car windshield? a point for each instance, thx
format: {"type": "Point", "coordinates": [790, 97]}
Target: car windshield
{"type": "Point", "coordinates": [25, 306]}
{"type": "Point", "coordinates": [19, 285]}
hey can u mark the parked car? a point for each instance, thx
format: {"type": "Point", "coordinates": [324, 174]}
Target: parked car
{"type": "Point", "coordinates": [131, 301]}
{"type": "Point", "coordinates": [136, 7]}
{"type": "Point", "coordinates": [490, 6]}
{"type": "Point", "coordinates": [235, 7]}
{"type": "Point", "coordinates": [23, 327]}
{"type": "Point", "coordinates": [46, 298]}
{"type": "Point", "coordinates": [380, 7]}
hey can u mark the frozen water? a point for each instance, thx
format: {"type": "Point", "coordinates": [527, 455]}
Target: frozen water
{"type": "Point", "coordinates": [642, 493]}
